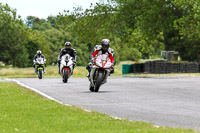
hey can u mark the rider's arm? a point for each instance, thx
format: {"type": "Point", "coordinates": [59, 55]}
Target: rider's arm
{"type": "Point", "coordinates": [92, 55]}
{"type": "Point", "coordinates": [42, 56]}
{"type": "Point", "coordinates": [112, 56]}
{"type": "Point", "coordinates": [75, 55]}
{"type": "Point", "coordinates": [95, 51]}
{"type": "Point", "coordinates": [35, 57]}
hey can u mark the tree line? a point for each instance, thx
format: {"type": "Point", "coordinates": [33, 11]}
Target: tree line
{"type": "Point", "coordinates": [136, 28]}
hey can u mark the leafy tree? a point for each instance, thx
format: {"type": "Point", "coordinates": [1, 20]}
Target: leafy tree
{"type": "Point", "coordinates": [151, 17]}
{"type": "Point", "coordinates": [188, 26]}
{"type": "Point", "coordinates": [37, 41]}
{"type": "Point", "coordinates": [56, 39]}
{"type": "Point", "coordinates": [136, 29]}
{"type": "Point", "coordinates": [37, 24]}
{"type": "Point", "coordinates": [12, 38]}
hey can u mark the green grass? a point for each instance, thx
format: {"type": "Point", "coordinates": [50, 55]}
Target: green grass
{"type": "Point", "coordinates": [52, 72]}
{"type": "Point", "coordinates": [22, 110]}
{"type": "Point", "coordinates": [79, 71]}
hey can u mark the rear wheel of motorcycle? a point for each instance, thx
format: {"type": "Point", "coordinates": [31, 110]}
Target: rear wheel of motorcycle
{"type": "Point", "coordinates": [65, 76]}
{"type": "Point", "coordinates": [99, 81]}
{"type": "Point", "coordinates": [40, 74]}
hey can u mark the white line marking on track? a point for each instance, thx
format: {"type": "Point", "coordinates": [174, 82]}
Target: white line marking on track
{"type": "Point", "coordinates": [156, 126]}
{"type": "Point", "coordinates": [117, 118]}
{"type": "Point", "coordinates": [39, 92]}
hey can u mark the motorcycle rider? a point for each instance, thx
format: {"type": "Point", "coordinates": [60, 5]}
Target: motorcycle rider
{"type": "Point", "coordinates": [38, 55]}
{"type": "Point", "coordinates": [67, 50]}
{"type": "Point", "coordinates": [103, 48]}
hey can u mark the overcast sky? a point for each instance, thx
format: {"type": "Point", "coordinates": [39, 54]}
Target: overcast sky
{"type": "Point", "coordinates": [44, 8]}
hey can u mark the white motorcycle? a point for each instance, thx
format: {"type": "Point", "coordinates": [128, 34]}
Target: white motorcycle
{"type": "Point", "coordinates": [39, 66]}
{"type": "Point", "coordinates": [100, 70]}
{"type": "Point", "coordinates": [66, 67]}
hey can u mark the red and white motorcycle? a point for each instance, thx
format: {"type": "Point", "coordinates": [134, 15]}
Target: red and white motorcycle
{"type": "Point", "coordinates": [100, 70]}
{"type": "Point", "coordinates": [66, 67]}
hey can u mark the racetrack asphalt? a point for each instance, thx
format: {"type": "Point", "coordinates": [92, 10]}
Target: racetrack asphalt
{"type": "Point", "coordinates": [172, 102]}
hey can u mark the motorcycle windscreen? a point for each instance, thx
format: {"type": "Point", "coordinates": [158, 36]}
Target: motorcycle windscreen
{"type": "Point", "coordinates": [99, 62]}
{"type": "Point", "coordinates": [107, 64]}
{"type": "Point", "coordinates": [40, 60]}
{"type": "Point", "coordinates": [69, 63]}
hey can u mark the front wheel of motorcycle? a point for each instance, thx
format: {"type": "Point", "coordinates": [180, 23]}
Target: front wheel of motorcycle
{"type": "Point", "coordinates": [65, 76]}
{"type": "Point", "coordinates": [99, 80]}
{"type": "Point", "coordinates": [40, 74]}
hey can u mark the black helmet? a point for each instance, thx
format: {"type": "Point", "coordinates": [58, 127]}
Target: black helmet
{"type": "Point", "coordinates": [67, 44]}
{"type": "Point", "coordinates": [39, 52]}
{"type": "Point", "coordinates": [105, 43]}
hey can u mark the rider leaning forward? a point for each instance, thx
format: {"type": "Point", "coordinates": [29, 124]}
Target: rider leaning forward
{"type": "Point", "coordinates": [103, 48]}
{"type": "Point", "coordinates": [67, 50]}
{"type": "Point", "coordinates": [38, 55]}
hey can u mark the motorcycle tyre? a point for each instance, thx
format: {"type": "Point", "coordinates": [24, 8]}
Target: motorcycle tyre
{"type": "Point", "coordinates": [99, 81]}
{"type": "Point", "coordinates": [65, 76]}
{"type": "Point", "coordinates": [40, 73]}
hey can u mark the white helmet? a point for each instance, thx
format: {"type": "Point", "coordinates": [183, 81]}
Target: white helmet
{"type": "Point", "coordinates": [39, 52]}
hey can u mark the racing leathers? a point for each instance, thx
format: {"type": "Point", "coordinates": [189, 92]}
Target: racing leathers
{"type": "Point", "coordinates": [34, 61]}
{"type": "Point", "coordinates": [71, 52]}
{"type": "Point", "coordinates": [98, 49]}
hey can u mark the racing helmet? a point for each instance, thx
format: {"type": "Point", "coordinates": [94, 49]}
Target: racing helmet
{"type": "Point", "coordinates": [67, 44]}
{"type": "Point", "coordinates": [39, 52]}
{"type": "Point", "coordinates": [105, 43]}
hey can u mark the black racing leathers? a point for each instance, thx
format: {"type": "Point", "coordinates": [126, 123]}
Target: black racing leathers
{"type": "Point", "coordinates": [71, 52]}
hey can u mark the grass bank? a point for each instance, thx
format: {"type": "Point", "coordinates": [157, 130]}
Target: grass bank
{"type": "Point", "coordinates": [24, 111]}
{"type": "Point", "coordinates": [79, 71]}
{"type": "Point", "coordinates": [52, 71]}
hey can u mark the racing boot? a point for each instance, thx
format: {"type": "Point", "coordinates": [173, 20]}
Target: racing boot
{"type": "Point", "coordinates": [72, 71]}
{"type": "Point", "coordinates": [88, 74]}
{"type": "Point", "coordinates": [58, 69]}
{"type": "Point", "coordinates": [44, 70]}
{"type": "Point", "coordinates": [35, 69]}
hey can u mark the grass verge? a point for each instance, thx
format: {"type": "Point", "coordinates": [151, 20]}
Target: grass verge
{"type": "Point", "coordinates": [52, 72]}
{"type": "Point", "coordinates": [22, 110]}
{"type": "Point", "coordinates": [79, 72]}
